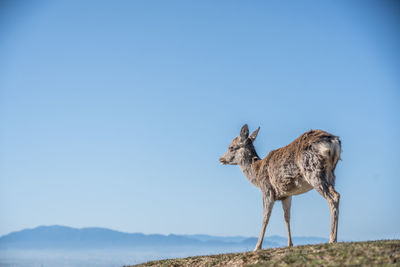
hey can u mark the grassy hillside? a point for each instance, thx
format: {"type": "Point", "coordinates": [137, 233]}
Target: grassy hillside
{"type": "Point", "coordinates": [372, 253]}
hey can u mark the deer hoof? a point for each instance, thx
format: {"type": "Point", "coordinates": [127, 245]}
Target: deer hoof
{"type": "Point", "coordinates": [257, 249]}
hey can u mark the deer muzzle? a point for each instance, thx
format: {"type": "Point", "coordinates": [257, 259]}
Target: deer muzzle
{"type": "Point", "coordinates": [223, 160]}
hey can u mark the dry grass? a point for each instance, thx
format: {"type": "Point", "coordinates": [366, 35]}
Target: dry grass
{"type": "Point", "coordinates": [372, 253]}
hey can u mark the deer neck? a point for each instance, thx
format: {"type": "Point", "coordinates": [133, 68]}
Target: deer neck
{"type": "Point", "coordinates": [247, 168]}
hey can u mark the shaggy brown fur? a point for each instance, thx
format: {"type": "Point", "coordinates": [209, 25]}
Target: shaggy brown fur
{"type": "Point", "coordinates": [306, 163]}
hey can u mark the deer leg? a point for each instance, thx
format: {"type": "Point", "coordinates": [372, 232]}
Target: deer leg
{"type": "Point", "coordinates": [268, 203]}
{"type": "Point", "coordinates": [322, 179]}
{"type": "Point", "coordinates": [286, 203]}
{"type": "Point", "coordinates": [333, 201]}
{"type": "Point", "coordinates": [333, 197]}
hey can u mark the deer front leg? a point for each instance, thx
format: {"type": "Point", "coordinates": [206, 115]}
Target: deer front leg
{"type": "Point", "coordinates": [286, 203]}
{"type": "Point", "coordinates": [268, 203]}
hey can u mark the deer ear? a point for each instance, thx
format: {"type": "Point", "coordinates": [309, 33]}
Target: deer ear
{"type": "Point", "coordinates": [253, 136]}
{"type": "Point", "coordinates": [244, 133]}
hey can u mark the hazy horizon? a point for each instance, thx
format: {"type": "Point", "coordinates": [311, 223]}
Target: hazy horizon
{"type": "Point", "coordinates": [65, 246]}
{"type": "Point", "coordinates": [267, 235]}
{"type": "Point", "coordinates": [116, 230]}
{"type": "Point", "coordinates": [115, 115]}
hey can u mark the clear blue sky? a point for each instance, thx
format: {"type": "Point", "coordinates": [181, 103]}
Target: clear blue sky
{"type": "Point", "coordinates": [114, 114]}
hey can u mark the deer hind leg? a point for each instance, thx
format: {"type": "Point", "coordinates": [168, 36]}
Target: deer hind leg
{"type": "Point", "coordinates": [286, 203]}
{"type": "Point", "coordinates": [333, 197]}
{"type": "Point", "coordinates": [333, 201]}
{"type": "Point", "coordinates": [322, 179]}
{"type": "Point", "coordinates": [268, 204]}
{"type": "Point", "coordinates": [327, 190]}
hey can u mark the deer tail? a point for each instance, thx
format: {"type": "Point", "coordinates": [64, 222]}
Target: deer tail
{"type": "Point", "coordinates": [330, 149]}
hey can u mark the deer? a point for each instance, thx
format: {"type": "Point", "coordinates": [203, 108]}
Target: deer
{"type": "Point", "coordinates": [306, 163]}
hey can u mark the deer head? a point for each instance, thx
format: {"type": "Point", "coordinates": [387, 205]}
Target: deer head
{"type": "Point", "coordinates": [241, 149]}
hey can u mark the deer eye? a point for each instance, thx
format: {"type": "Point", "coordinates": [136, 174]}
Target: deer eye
{"type": "Point", "coordinates": [232, 148]}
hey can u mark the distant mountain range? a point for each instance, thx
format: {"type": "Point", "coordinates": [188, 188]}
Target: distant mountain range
{"type": "Point", "coordinates": [62, 237]}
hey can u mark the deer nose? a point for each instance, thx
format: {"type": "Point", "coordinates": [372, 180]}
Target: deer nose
{"type": "Point", "coordinates": [222, 160]}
